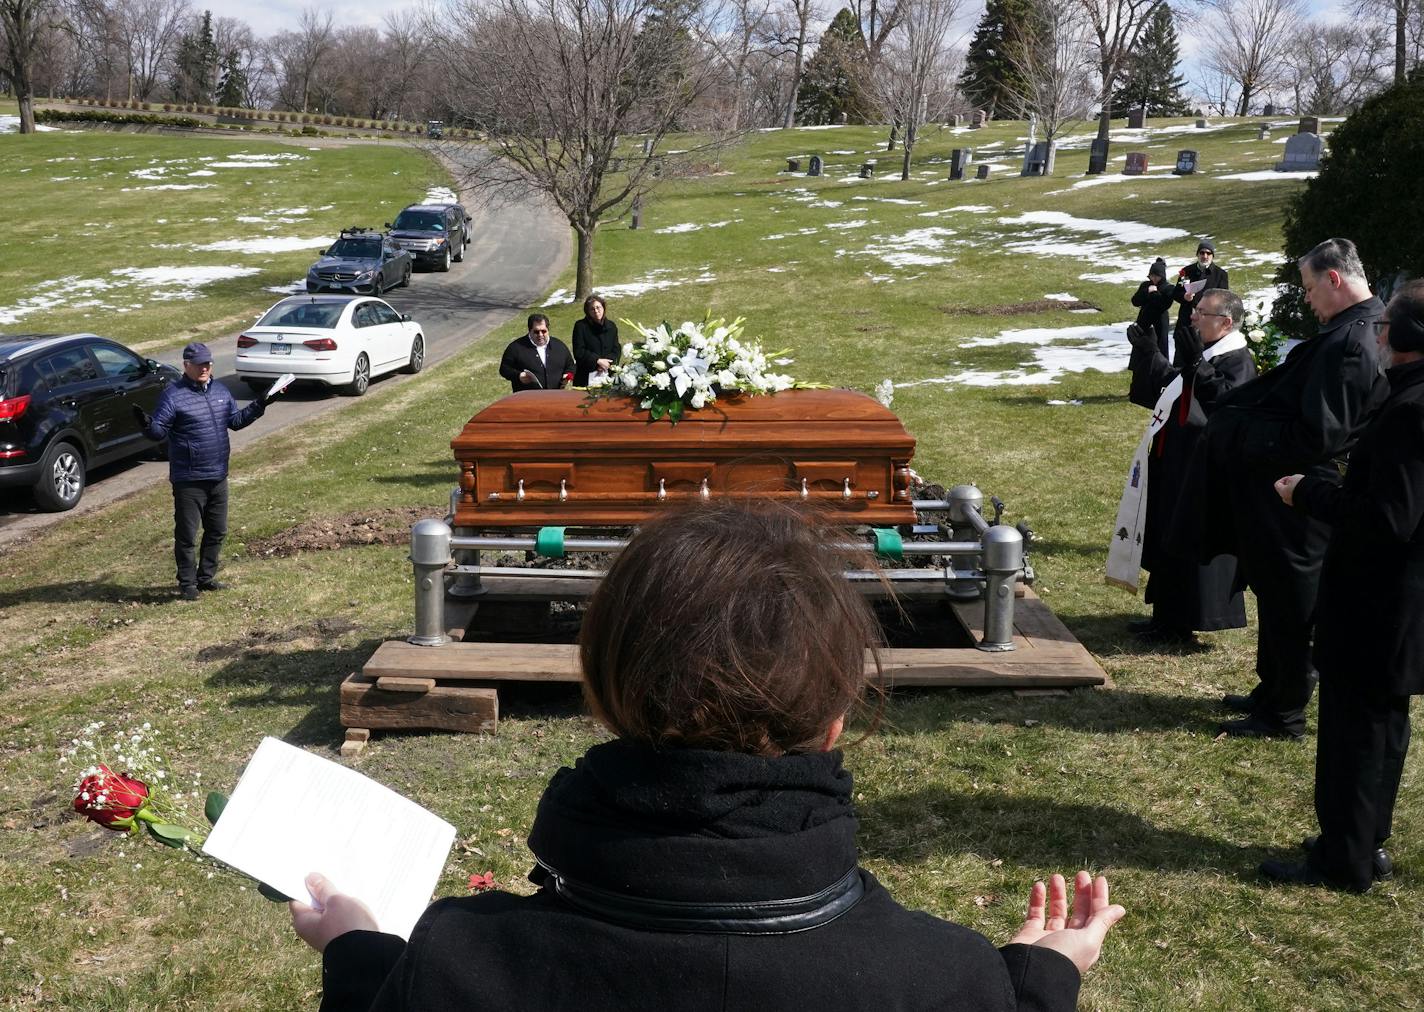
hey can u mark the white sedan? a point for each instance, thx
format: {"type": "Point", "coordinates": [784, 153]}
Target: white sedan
{"type": "Point", "coordinates": [338, 340]}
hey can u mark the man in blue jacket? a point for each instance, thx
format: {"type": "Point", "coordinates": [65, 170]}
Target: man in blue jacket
{"type": "Point", "coordinates": [193, 415]}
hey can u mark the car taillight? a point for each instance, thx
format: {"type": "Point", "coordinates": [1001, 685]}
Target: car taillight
{"type": "Point", "coordinates": [243, 341]}
{"type": "Point", "coordinates": [321, 344]}
{"type": "Point", "coordinates": [14, 407]}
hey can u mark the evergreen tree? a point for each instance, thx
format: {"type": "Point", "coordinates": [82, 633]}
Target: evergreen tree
{"type": "Point", "coordinates": [1149, 78]}
{"type": "Point", "coordinates": [195, 66]}
{"type": "Point", "coordinates": [664, 47]}
{"type": "Point", "coordinates": [232, 86]}
{"type": "Point", "coordinates": [990, 80]}
{"type": "Point", "coordinates": [833, 81]}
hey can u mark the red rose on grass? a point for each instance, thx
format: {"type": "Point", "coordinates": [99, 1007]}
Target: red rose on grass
{"type": "Point", "coordinates": [479, 883]}
{"type": "Point", "coordinates": [110, 799]}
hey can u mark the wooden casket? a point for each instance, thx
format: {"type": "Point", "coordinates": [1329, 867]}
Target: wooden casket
{"type": "Point", "coordinates": [557, 457]}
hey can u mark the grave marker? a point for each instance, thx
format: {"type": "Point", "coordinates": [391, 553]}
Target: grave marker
{"type": "Point", "coordinates": [1308, 125]}
{"type": "Point", "coordinates": [867, 169]}
{"type": "Point", "coordinates": [1137, 118]}
{"type": "Point", "coordinates": [959, 160]}
{"type": "Point", "coordinates": [982, 172]}
{"type": "Point", "coordinates": [793, 165]}
{"type": "Point", "coordinates": [1136, 164]}
{"type": "Point", "coordinates": [1302, 153]}
{"type": "Point", "coordinates": [1098, 157]}
{"type": "Point", "coordinates": [1186, 163]}
{"type": "Point", "coordinates": [1201, 124]}
{"type": "Point", "coordinates": [814, 169]}
{"type": "Point", "coordinates": [979, 119]}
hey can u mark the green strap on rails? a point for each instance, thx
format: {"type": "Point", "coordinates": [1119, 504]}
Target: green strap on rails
{"type": "Point", "coordinates": [550, 542]}
{"type": "Point", "coordinates": [888, 544]}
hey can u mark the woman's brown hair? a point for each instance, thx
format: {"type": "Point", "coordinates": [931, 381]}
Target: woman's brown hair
{"type": "Point", "coordinates": [588, 306]}
{"type": "Point", "coordinates": [727, 626]}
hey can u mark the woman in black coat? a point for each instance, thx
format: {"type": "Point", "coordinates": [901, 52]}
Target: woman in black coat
{"type": "Point", "coordinates": [1369, 636]}
{"type": "Point", "coordinates": [1153, 298]}
{"type": "Point", "coordinates": [706, 858]}
{"type": "Point", "coordinates": [596, 347]}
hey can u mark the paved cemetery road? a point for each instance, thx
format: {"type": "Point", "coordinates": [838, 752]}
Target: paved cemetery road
{"type": "Point", "coordinates": [517, 251]}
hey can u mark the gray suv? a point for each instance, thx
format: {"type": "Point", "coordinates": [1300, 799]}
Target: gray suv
{"type": "Point", "coordinates": [361, 262]}
{"type": "Point", "coordinates": [435, 234]}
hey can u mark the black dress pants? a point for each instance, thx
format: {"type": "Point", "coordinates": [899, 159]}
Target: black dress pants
{"type": "Point", "coordinates": [1363, 738]}
{"type": "Point", "coordinates": [197, 502]}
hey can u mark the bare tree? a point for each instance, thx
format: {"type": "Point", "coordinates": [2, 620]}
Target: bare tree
{"type": "Point", "coordinates": [23, 24]}
{"type": "Point", "coordinates": [1051, 51]}
{"type": "Point", "coordinates": [297, 55]}
{"type": "Point", "coordinates": [909, 64]}
{"type": "Point", "coordinates": [877, 20]}
{"type": "Point", "coordinates": [790, 36]}
{"type": "Point", "coordinates": [743, 22]}
{"type": "Point", "coordinates": [553, 84]}
{"type": "Point", "coordinates": [1248, 42]}
{"type": "Point", "coordinates": [148, 32]}
{"type": "Point", "coordinates": [407, 46]}
{"type": "Point", "coordinates": [1333, 68]}
{"type": "Point", "coordinates": [1398, 12]}
{"type": "Point", "coordinates": [1217, 87]}
{"type": "Point", "coordinates": [1116, 27]}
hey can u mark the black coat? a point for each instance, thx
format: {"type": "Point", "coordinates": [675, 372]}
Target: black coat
{"type": "Point", "coordinates": [1215, 278]}
{"type": "Point", "coordinates": [521, 354]}
{"type": "Point", "coordinates": [652, 835]}
{"type": "Point", "coordinates": [1152, 310]}
{"type": "Point", "coordinates": [1295, 419]}
{"type": "Point", "coordinates": [1370, 616]}
{"type": "Point", "coordinates": [1185, 594]}
{"type": "Point", "coordinates": [592, 342]}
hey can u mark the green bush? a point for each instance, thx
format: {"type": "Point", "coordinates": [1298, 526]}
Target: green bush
{"type": "Point", "coordinates": [310, 131]}
{"type": "Point", "coordinates": [1370, 191]}
{"type": "Point", "coordinates": [134, 118]}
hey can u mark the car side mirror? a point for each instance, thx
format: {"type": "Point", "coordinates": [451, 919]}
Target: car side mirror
{"type": "Point", "coordinates": [321, 252]}
{"type": "Point", "coordinates": [405, 317]}
{"type": "Point", "coordinates": [468, 219]}
{"type": "Point", "coordinates": [152, 365]}
{"type": "Point", "coordinates": [388, 224]}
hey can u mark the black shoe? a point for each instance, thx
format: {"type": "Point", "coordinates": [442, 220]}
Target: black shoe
{"type": "Point", "coordinates": [1237, 702]}
{"type": "Point", "coordinates": [188, 593]}
{"type": "Point", "coordinates": [212, 585]}
{"type": "Point", "coordinates": [1382, 865]}
{"type": "Point", "coordinates": [1304, 874]}
{"type": "Point", "coordinates": [1255, 727]}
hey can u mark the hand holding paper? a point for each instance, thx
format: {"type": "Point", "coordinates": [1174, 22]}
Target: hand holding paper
{"type": "Point", "coordinates": [1193, 288]}
{"type": "Point", "coordinates": [283, 381]}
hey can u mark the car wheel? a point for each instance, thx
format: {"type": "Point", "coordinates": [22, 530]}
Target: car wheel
{"type": "Point", "coordinates": [360, 376]}
{"type": "Point", "coordinates": [417, 354]}
{"type": "Point", "coordinates": [444, 264]}
{"type": "Point", "coordinates": [61, 480]}
{"type": "Point", "coordinates": [405, 281]}
{"type": "Point", "coordinates": [460, 255]}
{"type": "Point", "coordinates": [378, 287]}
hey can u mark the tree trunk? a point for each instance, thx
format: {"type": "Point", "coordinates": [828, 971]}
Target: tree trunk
{"type": "Point", "coordinates": [27, 108]}
{"type": "Point", "coordinates": [905, 162]}
{"type": "Point", "coordinates": [1401, 18]}
{"type": "Point", "coordinates": [1246, 87]}
{"type": "Point", "coordinates": [795, 81]}
{"type": "Point", "coordinates": [583, 286]}
{"type": "Point", "coordinates": [894, 134]}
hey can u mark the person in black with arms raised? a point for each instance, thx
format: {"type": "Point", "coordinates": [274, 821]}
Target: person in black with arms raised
{"type": "Point", "coordinates": [705, 859]}
{"type": "Point", "coordinates": [1153, 298]}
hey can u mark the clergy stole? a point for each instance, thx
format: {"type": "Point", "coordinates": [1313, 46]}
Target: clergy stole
{"type": "Point", "coordinates": [1125, 551]}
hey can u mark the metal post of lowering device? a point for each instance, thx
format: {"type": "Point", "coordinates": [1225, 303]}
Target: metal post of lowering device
{"type": "Point", "coordinates": [966, 524]}
{"type": "Point", "coordinates": [1001, 564]}
{"type": "Point", "coordinates": [429, 554]}
{"type": "Point", "coordinates": [466, 583]}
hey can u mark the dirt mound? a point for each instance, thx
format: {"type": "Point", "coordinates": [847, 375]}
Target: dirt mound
{"type": "Point", "coordinates": [364, 527]}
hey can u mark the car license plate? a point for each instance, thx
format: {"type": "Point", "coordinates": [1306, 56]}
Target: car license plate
{"type": "Point", "coordinates": [281, 349]}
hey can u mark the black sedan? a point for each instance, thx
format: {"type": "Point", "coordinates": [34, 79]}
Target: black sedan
{"type": "Point", "coordinates": [66, 406]}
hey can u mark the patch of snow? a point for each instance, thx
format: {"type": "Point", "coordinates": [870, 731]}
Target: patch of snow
{"type": "Point", "coordinates": [788, 235]}
{"type": "Point", "coordinates": [267, 244]}
{"type": "Point", "coordinates": [856, 223]}
{"type": "Point", "coordinates": [169, 186]}
{"type": "Point", "coordinates": [245, 165]}
{"type": "Point", "coordinates": [655, 280]}
{"type": "Point", "coordinates": [689, 226]}
{"type": "Point", "coordinates": [1074, 403]}
{"type": "Point", "coordinates": [1062, 297]}
{"type": "Point", "coordinates": [1103, 348]}
{"type": "Point", "coordinates": [202, 172]}
{"type": "Point", "coordinates": [1270, 174]}
{"type": "Point", "coordinates": [1118, 231]}
{"type": "Point", "coordinates": [847, 151]}
{"type": "Point", "coordinates": [11, 125]}
{"type": "Point", "coordinates": [440, 195]}
{"type": "Point", "coordinates": [186, 277]}
{"type": "Point", "coordinates": [899, 250]}
{"type": "Point", "coordinates": [893, 200]}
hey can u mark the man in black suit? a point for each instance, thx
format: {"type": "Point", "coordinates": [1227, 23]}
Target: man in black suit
{"type": "Point", "coordinates": [1204, 268]}
{"type": "Point", "coordinates": [1295, 419]}
{"type": "Point", "coordinates": [537, 361]}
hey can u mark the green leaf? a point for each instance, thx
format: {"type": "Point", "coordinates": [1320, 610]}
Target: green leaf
{"type": "Point", "coordinates": [271, 894]}
{"type": "Point", "coordinates": [657, 411]}
{"type": "Point", "coordinates": [675, 411]}
{"type": "Point", "coordinates": [168, 834]}
{"type": "Point", "coordinates": [214, 806]}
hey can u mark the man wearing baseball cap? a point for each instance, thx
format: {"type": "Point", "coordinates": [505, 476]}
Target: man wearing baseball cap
{"type": "Point", "coordinates": [193, 415]}
{"type": "Point", "coordinates": [1204, 267]}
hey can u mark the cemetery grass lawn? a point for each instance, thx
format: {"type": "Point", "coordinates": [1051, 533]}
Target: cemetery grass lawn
{"type": "Point", "coordinates": [964, 797]}
{"type": "Point", "coordinates": [80, 217]}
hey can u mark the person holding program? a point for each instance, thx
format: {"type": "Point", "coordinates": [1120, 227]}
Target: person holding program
{"type": "Point", "coordinates": [537, 361]}
{"type": "Point", "coordinates": [705, 858]}
{"type": "Point", "coordinates": [1204, 272]}
{"type": "Point", "coordinates": [1186, 595]}
{"type": "Point", "coordinates": [596, 347]}
{"type": "Point", "coordinates": [1296, 418]}
{"type": "Point", "coordinates": [1369, 639]}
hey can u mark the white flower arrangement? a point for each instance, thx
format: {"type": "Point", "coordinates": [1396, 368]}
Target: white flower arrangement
{"type": "Point", "coordinates": [1265, 340]}
{"type": "Point", "coordinates": [691, 366]}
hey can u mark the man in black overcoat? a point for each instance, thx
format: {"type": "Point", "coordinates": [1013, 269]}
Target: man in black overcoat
{"type": "Point", "coordinates": [537, 361]}
{"type": "Point", "coordinates": [1204, 267]}
{"type": "Point", "coordinates": [1297, 418]}
{"type": "Point", "coordinates": [1212, 358]}
{"type": "Point", "coordinates": [1369, 636]}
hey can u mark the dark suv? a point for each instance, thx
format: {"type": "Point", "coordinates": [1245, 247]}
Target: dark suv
{"type": "Point", "coordinates": [435, 234]}
{"type": "Point", "coordinates": [66, 406]}
{"type": "Point", "coordinates": [362, 261]}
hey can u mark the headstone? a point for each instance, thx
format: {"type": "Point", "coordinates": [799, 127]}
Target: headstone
{"type": "Point", "coordinates": [1035, 159]}
{"type": "Point", "coordinates": [982, 172]}
{"type": "Point", "coordinates": [1136, 164]}
{"type": "Point", "coordinates": [959, 160]}
{"type": "Point", "coordinates": [814, 169]}
{"type": "Point", "coordinates": [793, 165]}
{"type": "Point", "coordinates": [1269, 110]}
{"type": "Point", "coordinates": [1098, 156]}
{"type": "Point", "coordinates": [1137, 118]}
{"type": "Point", "coordinates": [843, 117]}
{"type": "Point", "coordinates": [1308, 125]}
{"type": "Point", "coordinates": [957, 121]}
{"type": "Point", "coordinates": [867, 169]}
{"type": "Point", "coordinates": [1263, 132]}
{"type": "Point", "coordinates": [647, 147]}
{"type": "Point", "coordinates": [1201, 124]}
{"type": "Point", "coordinates": [1186, 163]}
{"type": "Point", "coordinates": [979, 119]}
{"type": "Point", "coordinates": [637, 214]}
{"type": "Point", "coordinates": [1302, 153]}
